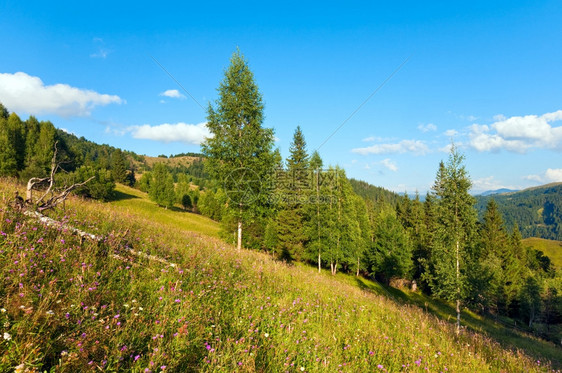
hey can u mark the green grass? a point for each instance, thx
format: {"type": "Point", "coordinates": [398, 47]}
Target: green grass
{"type": "Point", "coordinates": [551, 248]}
{"type": "Point", "coordinates": [70, 306]}
{"type": "Point", "coordinates": [137, 203]}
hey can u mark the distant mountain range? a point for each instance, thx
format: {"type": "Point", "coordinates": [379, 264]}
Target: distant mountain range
{"type": "Point", "coordinates": [537, 211]}
{"type": "Point", "coordinates": [498, 191]}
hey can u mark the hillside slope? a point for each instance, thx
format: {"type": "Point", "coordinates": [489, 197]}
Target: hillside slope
{"type": "Point", "coordinates": [77, 305]}
{"type": "Point", "coordinates": [537, 211]}
{"type": "Point", "coordinates": [551, 248]}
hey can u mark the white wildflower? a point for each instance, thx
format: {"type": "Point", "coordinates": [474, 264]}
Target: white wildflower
{"type": "Point", "coordinates": [7, 336]}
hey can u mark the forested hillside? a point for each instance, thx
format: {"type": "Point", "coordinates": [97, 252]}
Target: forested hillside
{"type": "Point", "coordinates": [373, 193]}
{"type": "Point", "coordinates": [537, 211]}
{"type": "Point", "coordinates": [28, 147]}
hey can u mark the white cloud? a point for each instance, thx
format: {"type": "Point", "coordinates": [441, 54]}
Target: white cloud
{"type": "Point", "coordinates": [427, 127]}
{"type": "Point", "coordinates": [389, 164]}
{"type": "Point", "coordinates": [551, 175]}
{"type": "Point", "coordinates": [179, 132]}
{"type": "Point", "coordinates": [67, 131]}
{"type": "Point", "coordinates": [102, 52]}
{"type": "Point", "coordinates": [489, 183]}
{"type": "Point", "coordinates": [172, 93]}
{"type": "Point", "coordinates": [554, 175]}
{"type": "Point", "coordinates": [537, 178]}
{"type": "Point", "coordinates": [451, 133]}
{"type": "Point", "coordinates": [519, 133]}
{"type": "Point", "coordinates": [22, 92]}
{"type": "Point", "coordinates": [412, 146]}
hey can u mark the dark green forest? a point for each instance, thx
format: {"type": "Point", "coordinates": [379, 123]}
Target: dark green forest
{"type": "Point", "coordinates": [536, 211]}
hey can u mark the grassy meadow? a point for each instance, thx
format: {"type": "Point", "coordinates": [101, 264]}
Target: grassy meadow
{"type": "Point", "coordinates": [70, 305]}
{"type": "Point", "coordinates": [551, 248]}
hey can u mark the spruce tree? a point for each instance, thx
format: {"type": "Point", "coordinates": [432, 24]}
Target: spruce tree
{"type": "Point", "coordinates": [390, 256]}
{"type": "Point", "coordinates": [291, 238]}
{"type": "Point", "coordinates": [314, 221]}
{"type": "Point", "coordinates": [162, 186]}
{"type": "Point", "coordinates": [119, 166]}
{"type": "Point", "coordinates": [495, 257]}
{"type": "Point", "coordinates": [239, 152]}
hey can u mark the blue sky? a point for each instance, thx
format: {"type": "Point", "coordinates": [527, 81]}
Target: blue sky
{"type": "Point", "coordinates": [487, 75]}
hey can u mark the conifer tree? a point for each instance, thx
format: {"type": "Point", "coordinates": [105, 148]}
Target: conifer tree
{"type": "Point", "coordinates": [291, 238]}
{"type": "Point", "coordinates": [496, 257]}
{"type": "Point", "coordinates": [119, 166]}
{"type": "Point", "coordinates": [162, 186]}
{"type": "Point", "coordinates": [8, 163]}
{"type": "Point", "coordinates": [390, 256]}
{"type": "Point", "coordinates": [16, 136]}
{"type": "Point", "coordinates": [239, 153]}
{"type": "Point", "coordinates": [314, 221]}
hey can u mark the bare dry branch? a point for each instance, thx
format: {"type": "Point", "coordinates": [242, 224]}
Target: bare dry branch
{"type": "Point", "coordinates": [54, 168]}
{"type": "Point", "coordinates": [55, 200]}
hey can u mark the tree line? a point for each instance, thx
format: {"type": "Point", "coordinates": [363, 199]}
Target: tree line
{"type": "Point", "coordinates": [300, 210]}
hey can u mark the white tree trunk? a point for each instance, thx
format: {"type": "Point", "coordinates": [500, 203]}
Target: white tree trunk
{"type": "Point", "coordinates": [458, 292]}
{"type": "Point", "coordinates": [239, 245]}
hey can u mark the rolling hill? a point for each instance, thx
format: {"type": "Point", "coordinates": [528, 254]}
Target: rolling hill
{"type": "Point", "coordinates": [158, 293]}
{"type": "Point", "coordinates": [537, 211]}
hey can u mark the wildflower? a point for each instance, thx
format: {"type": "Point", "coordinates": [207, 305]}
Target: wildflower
{"type": "Point", "coordinates": [266, 335]}
{"type": "Point", "coordinates": [163, 367]}
{"type": "Point", "coordinates": [302, 369]}
{"type": "Point", "coordinates": [380, 366]}
{"type": "Point", "coordinates": [7, 336]}
{"type": "Point", "coordinates": [50, 312]}
{"type": "Point", "coordinates": [3, 310]}
{"type": "Point", "coordinates": [20, 368]}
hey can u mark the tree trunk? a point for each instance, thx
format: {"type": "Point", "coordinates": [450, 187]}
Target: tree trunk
{"type": "Point", "coordinates": [239, 245]}
{"type": "Point", "coordinates": [357, 274]}
{"type": "Point", "coordinates": [458, 316]}
{"type": "Point", "coordinates": [318, 218]}
{"type": "Point", "coordinates": [458, 292]}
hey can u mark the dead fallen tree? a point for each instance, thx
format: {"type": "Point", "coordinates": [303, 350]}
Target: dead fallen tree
{"type": "Point", "coordinates": [52, 223]}
{"type": "Point", "coordinates": [52, 196]}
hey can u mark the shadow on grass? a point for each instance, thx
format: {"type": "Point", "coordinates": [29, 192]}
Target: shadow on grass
{"type": "Point", "coordinates": [121, 196]}
{"type": "Point", "coordinates": [508, 337]}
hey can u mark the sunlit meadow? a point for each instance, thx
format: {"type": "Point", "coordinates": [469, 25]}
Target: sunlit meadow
{"type": "Point", "coordinates": [70, 305]}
